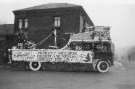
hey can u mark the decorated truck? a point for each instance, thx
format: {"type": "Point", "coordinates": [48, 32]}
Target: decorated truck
{"type": "Point", "coordinates": [92, 49]}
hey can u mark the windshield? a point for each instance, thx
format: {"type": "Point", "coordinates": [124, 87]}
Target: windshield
{"type": "Point", "coordinates": [102, 47]}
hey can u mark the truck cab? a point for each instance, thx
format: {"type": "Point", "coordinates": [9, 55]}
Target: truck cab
{"type": "Point", "coordinates": [98, 41]}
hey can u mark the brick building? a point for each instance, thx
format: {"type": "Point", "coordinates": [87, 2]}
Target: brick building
{"type": "Point", "coordinates": [38, 22]}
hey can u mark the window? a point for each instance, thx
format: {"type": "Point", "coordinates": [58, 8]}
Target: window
{"type": "Point", "coordinates": [25, 23]}
{"type": "Point", "coordinates": [75, 46]}
{"type": "Point", "coordinates": [57, 21]}
{"type": "Point", "coordinates": [20, 23]}
{"type": "Point", "coordinates": [86, 27]}
{"type": "Point", "coordinates": [81, 24]}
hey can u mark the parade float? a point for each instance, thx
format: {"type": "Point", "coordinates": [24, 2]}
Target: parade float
{"type": "Point", "coordinates": [92, 49]}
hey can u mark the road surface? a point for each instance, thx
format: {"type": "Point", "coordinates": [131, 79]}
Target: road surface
{"type": "Point", "coordinates": [119, 77]}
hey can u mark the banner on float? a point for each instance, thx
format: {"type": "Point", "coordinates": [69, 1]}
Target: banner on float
{"type": "Point", "coordinates": [52, 56]}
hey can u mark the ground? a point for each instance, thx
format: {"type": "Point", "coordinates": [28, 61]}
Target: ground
{"type": "Point", "coordinates": [121, 76]}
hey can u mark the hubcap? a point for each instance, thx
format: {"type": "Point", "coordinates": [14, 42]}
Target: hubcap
{"type": "Point", "coordinates": [103, 66]}
{"type": "Point", "coordinates": [35, 64]}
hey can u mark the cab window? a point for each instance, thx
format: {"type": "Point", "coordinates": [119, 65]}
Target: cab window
{"type": "Point", "coordinates": [75, 46]}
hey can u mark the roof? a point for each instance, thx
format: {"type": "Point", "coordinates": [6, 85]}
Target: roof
{"type": "Point", "coordinates": [50, 6]}
{"type": "Point", "coordinates": [56, 6]}
{"type": "Point", "coordinates": [83, 37]}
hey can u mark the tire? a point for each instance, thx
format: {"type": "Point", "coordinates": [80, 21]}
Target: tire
{"type": "Point", "coordinates": [102, 66]}
{"type": "Point", "coordinates": [35, 66]}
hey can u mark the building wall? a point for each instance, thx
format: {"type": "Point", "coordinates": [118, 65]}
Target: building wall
{"type": "Point", "coordinates": [70, 23]}
{"type": "Point", "coordinates": [41, 24]}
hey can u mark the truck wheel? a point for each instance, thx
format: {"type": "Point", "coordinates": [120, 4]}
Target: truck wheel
{"type": "Point", "coordinates": [102, 66]}
{"type": "Point", "coordinates": [35, 66]}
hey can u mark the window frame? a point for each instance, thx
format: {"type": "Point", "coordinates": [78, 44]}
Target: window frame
{"type": "Point", "coordinates": [57, 21]}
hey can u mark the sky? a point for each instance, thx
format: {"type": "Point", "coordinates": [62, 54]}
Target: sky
{"type": "Point", "coordinates": [118, 14]}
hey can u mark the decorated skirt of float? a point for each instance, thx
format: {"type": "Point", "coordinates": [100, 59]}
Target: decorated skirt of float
{"type": "Point", "coordinates": [44, 55]}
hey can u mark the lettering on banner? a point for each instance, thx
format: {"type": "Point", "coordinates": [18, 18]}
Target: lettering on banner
{"type": "Point", "coordinates": [23, 55]}
{"type": "Point", "coordinates": [51, 56]}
